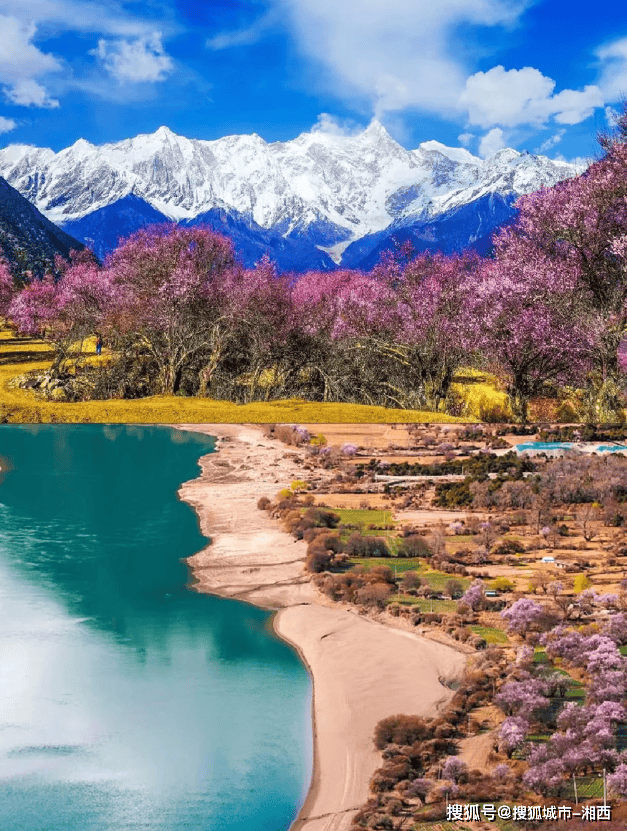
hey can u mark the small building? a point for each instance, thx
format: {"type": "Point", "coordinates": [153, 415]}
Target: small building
{"type": "Point", "coordinates": [547, 560]}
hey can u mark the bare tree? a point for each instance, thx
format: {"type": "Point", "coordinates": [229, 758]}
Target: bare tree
{"type": "Point", "coordinates": [586, 516]}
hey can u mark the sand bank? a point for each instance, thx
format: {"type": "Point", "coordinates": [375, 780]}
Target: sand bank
{"type": "Point", "coordinates": [362, 670]}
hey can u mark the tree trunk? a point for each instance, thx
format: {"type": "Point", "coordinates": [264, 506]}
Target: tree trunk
{"type": "Point", "coordinates": [177, 380]}
{"type": "Point", "coordinates": [167, 379]}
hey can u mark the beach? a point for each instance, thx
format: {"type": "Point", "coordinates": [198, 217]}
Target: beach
{"type": "Point", "coordinates": [362, 669]}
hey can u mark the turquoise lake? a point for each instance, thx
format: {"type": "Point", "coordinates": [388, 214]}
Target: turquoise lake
{"type": "Point", "coordinates": [127, 700]}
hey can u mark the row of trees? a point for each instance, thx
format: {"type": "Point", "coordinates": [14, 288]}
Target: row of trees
{"type": "Point", "coordinates": [549, 307]}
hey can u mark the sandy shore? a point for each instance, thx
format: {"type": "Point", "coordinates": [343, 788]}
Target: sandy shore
{"type": "Point", "coordinates": [362, 670]}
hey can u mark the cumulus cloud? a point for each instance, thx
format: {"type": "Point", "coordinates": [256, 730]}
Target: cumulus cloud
{"type": "Point", "coordinates": [21, 62]}
{"type": "Point", "coordinates": [465, 138]}
{"type": "Point", "coordinates": [402, 55]}
{"type": "Point", "coordinates": [491, 143]}
{"type": "Point", "coordinates": [580, 161]}
{"type": "Point", "coordinates": [30, 93]}
{"type": "Point", "coordinates": [26, 69]}
{"type": "Point", "coordinates": [7, 124]}
{"type": "Point", "coordinates": [334, 126]}
{"type": "Point", "coordinates": [19, 57]}
{"type": "Point", "coordinates": [524, 96]}
{"type": "Point", "coordinates": [611, 116]}
{"type": "Point", "coordinates": [142, 59]}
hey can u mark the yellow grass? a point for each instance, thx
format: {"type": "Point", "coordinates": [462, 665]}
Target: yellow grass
{"type": "Point", "coordinates": [18, 356]}
{"type": "Point", "coordinates": [482, 396]}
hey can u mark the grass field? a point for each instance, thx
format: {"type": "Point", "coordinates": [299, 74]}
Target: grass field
{"type": "Point", "coordinates": [365, 516]}
{"type": "Point", "coordinates": [21, 355]}
{"type": "Point", "coordinates": [426, 605]}
{"type": "Point", "coordinates": [436, 579]}
{"type": "Point", "coordinates": [490, 634]}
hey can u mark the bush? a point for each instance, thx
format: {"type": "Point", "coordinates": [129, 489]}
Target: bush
{"type": "Point", "coordinates": [414, 546]}
{"type": "Point", "coordinates": [507, 547]}
{"type": "Point", "coordinates": [318, 561]}
{"type": "Point", "coordinates": [400, 729]}
{"type": "Point", "coordinates": [376, 594]}
{"type": "Point", "coordinates": [321, 551]}
{"type": "Point", "coordinates": [360, 546]}
{"type": "Point", "coordinates": [382, 574]}
{"type": "Point", "coordinates": [567, 413]}
{"type": "Point", "coordinates": [454, 589]}
{"type": "Point", "coordinates": [501, 584]}
{"type": "Point", "coordinates": [299, 485]}
{"type": "Point", "coordinates": [322, 518]}
{"type": "Point", "coordinates": [581, 583]}
{"type": "Point", "coordinates": [411, 580]}
{"type": "Point", "coordinates": [263, 503]}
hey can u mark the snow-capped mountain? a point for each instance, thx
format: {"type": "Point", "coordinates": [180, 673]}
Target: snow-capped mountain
{"type": "Point", "coordinates": [321, 190]}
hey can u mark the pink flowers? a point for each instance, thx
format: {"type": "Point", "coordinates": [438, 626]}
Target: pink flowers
{"type": "Point", "coordinates": [7, 288]}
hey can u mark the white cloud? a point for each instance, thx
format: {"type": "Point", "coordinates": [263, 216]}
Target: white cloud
{"type": "Point", "coordinates": [574, 106]}
{"type": "Point", "coordinates": [30, 93]}
{"type": "Point", "coordinates": [7, 124]}
{"type": "Point", "coordinates": [142, 59]}
{"type": "Point", "coordinates": [334, 126]}
{"type": "Point", "coordinates": [611, 116]}
{"type": "Point", "coordinates": [25, 69]}
{"type": "Point", "coordinates": [397, 55]}
{"type": "Point", "coordinates": [491, 143]}
{"type": "Point", "coordinates": [21, 62]}
{"type": "Point", "coordinates": [107, 17]}
{"type": "Point", "coordinates": [550, 142]}
{"type": "Point", "coordinates": [19, 58]}
{"type": "Point", "coordinates": [524, 96]}
{"type": "Point", "coordinates": [465, 138]}
{"type": "Point", "coordinates": [613, 78]}
{"type": "Point", "coordinates": [580, 161]}
{"type": "Point", "coordinates": [408, 54]}
{"type": "Point", "coordinates": [243, 37]}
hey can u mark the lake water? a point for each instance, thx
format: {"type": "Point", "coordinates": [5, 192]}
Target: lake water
{"type": "Point", "coordinates": [544, 446]}
{"type": "Point", "coordinates": [128, 701]}
{"type": "Point", "coordinates": [562, 446]}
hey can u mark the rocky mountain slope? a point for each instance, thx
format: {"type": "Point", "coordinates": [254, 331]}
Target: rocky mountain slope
{"type": "Point", "coordinates": [29, 241]}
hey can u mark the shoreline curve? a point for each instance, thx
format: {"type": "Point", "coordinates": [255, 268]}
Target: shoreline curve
{"type": "Point", "coordinates": [361, 669]}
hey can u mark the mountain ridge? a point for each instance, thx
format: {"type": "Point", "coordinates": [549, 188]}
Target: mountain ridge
{"type": "Point", "coordinates": [321, 191]}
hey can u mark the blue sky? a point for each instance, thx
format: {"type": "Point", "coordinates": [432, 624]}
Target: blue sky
{"type": "Point", "coordinates": [542, 76]}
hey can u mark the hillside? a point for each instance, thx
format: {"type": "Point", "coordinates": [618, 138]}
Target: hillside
{"type": "Point", "coordinates": [28, 240]}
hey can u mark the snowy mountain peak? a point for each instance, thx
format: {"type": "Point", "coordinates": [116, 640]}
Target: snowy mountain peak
{"type": "Point", "coordinates": [455, 154]}
{"type": "Point", "coordinates": [330, 188]}
{"type": "Point", "coordinates": [375, 128]}
{"type": "Point", "coordinates": [165, 132]}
